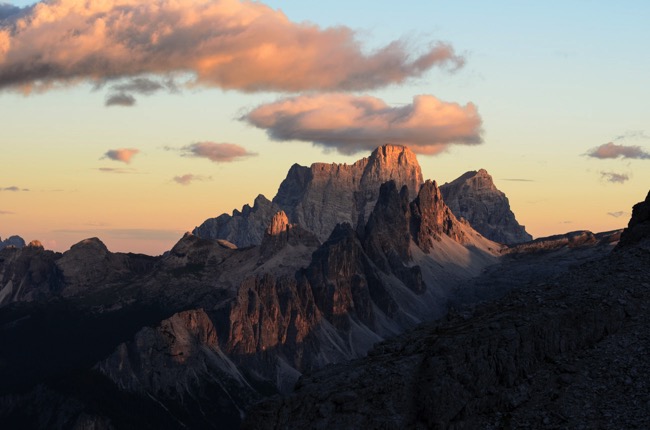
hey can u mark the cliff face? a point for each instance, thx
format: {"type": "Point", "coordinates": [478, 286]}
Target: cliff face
{"type": "Point", "coordinates": [638, 229]}
{"type": "Point", "coordinates": [242, 228]}
{"type": "Point", "coordinates": [34, 274]}
{"type": "Point", "coordinates": [15, 241]}
{"type": "Point", "coordinates": [545, 356]}
{"type": "Point", "coordinates": [180, 365]}
{"type": "Point", "coordinates": [321, 196]}
{"type": "Point", "coordinates": [474, 197]}
{"type": "Point", "coordinates": [28, 274]}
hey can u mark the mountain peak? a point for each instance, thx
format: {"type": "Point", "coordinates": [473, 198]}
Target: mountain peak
{"type": "Point", "coordinates": [474, 196]}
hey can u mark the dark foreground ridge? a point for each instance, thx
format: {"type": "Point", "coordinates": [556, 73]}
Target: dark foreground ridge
{"type": "Point", "coordinates": [567, 354]}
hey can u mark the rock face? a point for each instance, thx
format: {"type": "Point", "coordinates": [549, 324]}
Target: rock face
{"type": "Point", "coordinates": [242, 228]}
{"type": "Point", "coordinates": [474, 197]}
{"type": "Point", "coordinates": [15, 241]}
{"type": "Point", "coordinates": [28, 274]}
{"type": "Point", "coordinates": [34, 274]}
{"type": "Point", "coordinates": [570, 354]}
{"type": "Point", "coordinates": [638, 229]}
{"type": "Point", "coordinates": [281, 233]}
{"type": "Point", "coordinates": [179, 364]}
{"type": "Point", "coordinates": [321, 196]}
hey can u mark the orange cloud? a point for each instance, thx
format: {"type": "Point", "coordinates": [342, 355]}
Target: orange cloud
{"type": "Point", "coordinates": [352, 124]}
{"type": "Point", "coordinates": [216, 152]}
{"type": "Point", "coordinates": [123, 154]}
{"type": "Point", "coordinates": [230, 44]}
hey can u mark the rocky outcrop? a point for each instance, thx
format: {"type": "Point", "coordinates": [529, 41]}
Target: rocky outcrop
{"type": "Point", "coordinates": [28, 274]}
{"type": "Point", "coordinates": [242, 228]}
{"type": "Point", "coordinates": [545, 356]}
{"type": "Point", "coordinates": [638, 229]}
{"type": "Point", "coordinates": [180, 363]}
{"type": "Point", "coordinates": [15, 241]}
{"type": "Point", "coordinates": [34, 274]}
{"type": "Point", "coordinates": [474, 197]}
{"type": "Point", "coordinates": [574, 239]}
{"type": "Point", "coordinates": [321, 196]}
{"type": "Point", "coordinates": [89, 265]}
{"type": "Point", "coordinates": [138, 366]}
{"type": "Point", "coordinates": [281, 233]}
{"type": "Point", "coordinates": [431, 218]}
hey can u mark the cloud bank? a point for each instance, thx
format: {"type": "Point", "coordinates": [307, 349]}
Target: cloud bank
{"type": "Point", "coordinates": [614, 178]}
{"type": "Point", "coordinates": [612, 150]}
{"type": "Point", "coordinates": [6, 213]}
{"type": "Point", "coordinates": [617, 214]}
{"type": "Point", "coordinates": [189, 178]}
{"type": "Point", "coordinates": [360, 123]}
{"type": "Point", "coordinates": [216, 152]}
{"type": "Point", "coordinates": [123, 154]}
{"type": "Point", "coordinates": [230, 44]}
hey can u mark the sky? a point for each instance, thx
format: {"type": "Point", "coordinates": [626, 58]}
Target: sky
{"type": "Point", "coordinates": [134, 121]}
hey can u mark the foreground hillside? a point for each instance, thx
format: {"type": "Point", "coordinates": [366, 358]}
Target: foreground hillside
{"type": "Point", "coordinates": [572, 353]}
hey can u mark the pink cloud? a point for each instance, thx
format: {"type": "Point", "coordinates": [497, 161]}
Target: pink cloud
{"type": "Point", "coordinates": [612, 150]}
{"type": "Point", "coordinates": [189, 178]}
{"type": "Point", "coordinates": [352, 123]}
{"type": "Point", "coordinates": [123, 154]}
{"type": "Point", "coordinates": [229, 44]}
{"type": "Point", "coordinates": [216, 152]}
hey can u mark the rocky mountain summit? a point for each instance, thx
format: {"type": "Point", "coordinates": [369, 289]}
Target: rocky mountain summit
{"type": "Point", "coordinates": [474, 197]}
{"type": "Point", "coordinates": [320, 196]}
{"type": "Point", "coordinates": [15, 241]}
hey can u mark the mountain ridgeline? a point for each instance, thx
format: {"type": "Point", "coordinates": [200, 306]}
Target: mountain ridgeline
{"type": "Point", "coordinates": [344, 257]}
{"type": "Point", "coordinates": [322, 195]}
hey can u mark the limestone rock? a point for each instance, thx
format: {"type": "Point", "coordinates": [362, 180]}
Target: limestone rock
{"type": "Point", "coordinates": [324, 195]}
{"type": "Point", "coordinates": [567, 355]}
{"type": "Point", "coordinates": [28, 274]}
{"type": "Point", "coordinates": [15, 241]}
{"type": "Point", "coordinates": [242, 228]}
{"type": "Point", "coordinates": [321, 196]}
{"type": "Point", "coordinates": [89, 265]}
{"type": "Point", "coordinates": [180, 359]}
{"type": "Point", "coordinates": [281, 233]}
{"type": "Point", "coordinates": [638, 229]}
{"type": "Point", "coordinates": [474, 197]}
{"type": "Point", "coordinates": [431, 218]}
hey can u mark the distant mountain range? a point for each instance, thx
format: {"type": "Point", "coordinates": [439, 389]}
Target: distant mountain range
{"type": "Point", "coordinates": [322, 195]}
{"type": "Point", "coordinates": [343, 257]}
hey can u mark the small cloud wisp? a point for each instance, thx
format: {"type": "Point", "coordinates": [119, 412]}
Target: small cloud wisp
{"type": "Point", "coordinates": [614, 178]}
{"type": "Point", "coordinates": [216, 152]}
{"type": "Point", "coordinates": [123, 154]}
{"type": "Point", "coordinates": [188, 178]}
